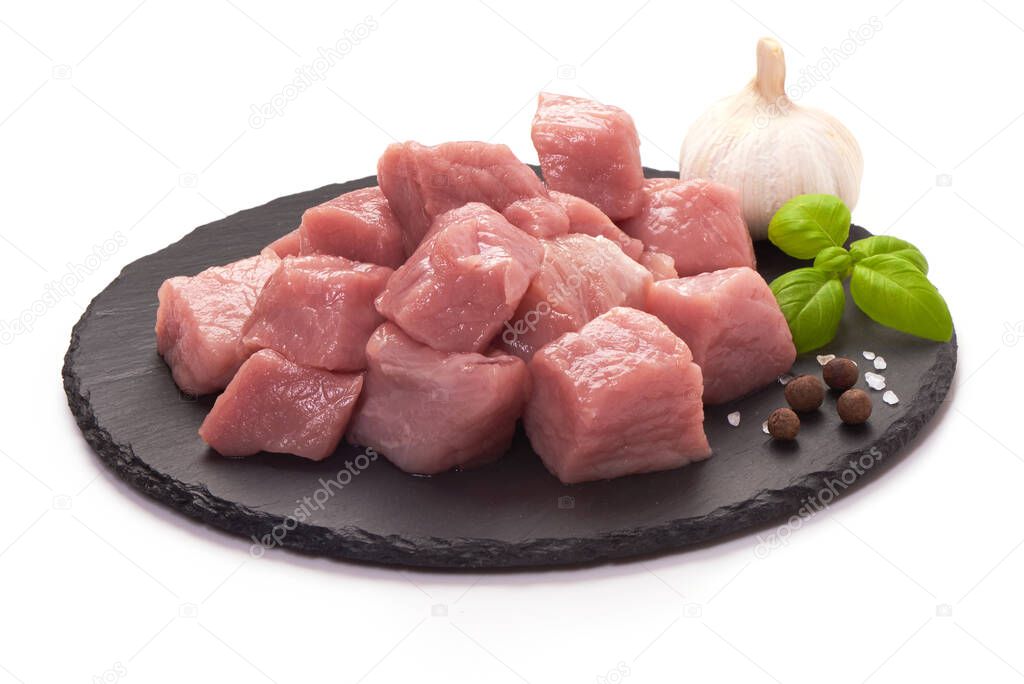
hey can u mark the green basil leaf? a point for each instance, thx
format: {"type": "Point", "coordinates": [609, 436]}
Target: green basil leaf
{"type": "Point", "coordinates": [812, 302]}
{"type": "Point", "coordinates": [892, 291]}
{"type": "Point", "coordinates": [833, 260]}
{"type": "Point", "coordinates": [807, 224]}
{"type": "Point", "coordinates": [884, 244]}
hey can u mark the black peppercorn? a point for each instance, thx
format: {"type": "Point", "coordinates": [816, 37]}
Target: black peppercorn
{"type": "Point", "coordinates": [805, 393]}
{"type": "Point", "coordinates": [854, 406]}
{"type": "Point", "coordinates": [840, 374]}
{"type": "Point", "coordinates": [783, 424]}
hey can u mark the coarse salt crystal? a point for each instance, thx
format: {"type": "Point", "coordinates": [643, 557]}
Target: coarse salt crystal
{"type": "Point", "coordinates": [764, 428]}
{"type": "Point", "coordinates": [733, 418]}
{"type": "Point", "coordinates": [890, 397]}
{"type": "Point", "coordinates": [880, 363]}
{"type": "Point", "coordinates": [874, 380]}
{"type": "Point", "coordinates": [869, 355]}
{"type": "Point", "coordinates": [785, 378]}
{"type": "Point", "coordinates": [825, 358]}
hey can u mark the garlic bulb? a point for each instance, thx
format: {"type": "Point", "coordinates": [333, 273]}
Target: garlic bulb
{"type": "Point", "coordinates": [769, 149]}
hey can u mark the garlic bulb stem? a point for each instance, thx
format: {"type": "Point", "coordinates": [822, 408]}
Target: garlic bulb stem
{"type": "Point", "coordinates": [770, 80]}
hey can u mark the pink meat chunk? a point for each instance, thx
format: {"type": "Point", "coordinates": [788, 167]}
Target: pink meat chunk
{"type": "Point", "coordinates": [539, 216]}
{"type": "Point", "coordinates": [585, 218]}
{"type": "Point", "coordinates": [358, 225]}
{"type": "Point", "coordinates": [696, 222]}
{"type": "Point", "coordinates": [199, 321]}
{"type": "Point", "coordinates": [429, 411]}
{"type": "Point", "coordinates": [423, 182]}
{"type": "Point", "coordinates": [661, 266]}
{"type": "Point", "coordinates": [589, 150]}
{"type": "Point", "coordinates": [286, 245]}
{"type": "Point", "coordinates": [733, 325]}
{"type": "Point", "coordinates": [581, 278]}
{"type": "Point", "coordinates": [275, 405]}
{"type": "Point", "coordinates": [621, 396]}
{"type": "Point", "coordinates": [465, 280]}
{"type": "Point", "coordinates": [318, 311]}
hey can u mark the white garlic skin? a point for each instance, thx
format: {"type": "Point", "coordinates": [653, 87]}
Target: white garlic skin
{"type": "Point", "coordinates": [770, 149]}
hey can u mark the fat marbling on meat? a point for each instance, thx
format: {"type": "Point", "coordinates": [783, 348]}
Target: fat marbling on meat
{"type": "Point", "coordinates": [661, 266]}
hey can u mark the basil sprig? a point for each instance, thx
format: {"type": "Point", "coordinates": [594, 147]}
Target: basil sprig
{"type": "Point", "coordinates": [807, 224]}
{"type": "Point", "coordinates": [888, 276]}
{"type": "Point", "coordinates": [812, 300]}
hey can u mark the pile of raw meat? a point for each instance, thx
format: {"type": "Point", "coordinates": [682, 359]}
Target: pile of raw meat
{"type": "Point", "coordinates": [425, 317]}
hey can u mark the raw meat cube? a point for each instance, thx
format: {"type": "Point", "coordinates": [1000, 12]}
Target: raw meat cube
{"type": "Point", "coordinates": [286, 245]}
{"type": "Point", "coordinates": [581, 278]}
{"type": "Point", "coordinates": [429, 411]}
{"type": "Point", "coordinates": [661, 266]}
{"type": "Point", "coordinates": [538, 216]}
{"type": "Point", "coordinates": [199, 321]}
{"type": "Point", "coordinates": [585, 218]}
{"type": "Point", "coordinates": [423, 182]}
{"type": "Point", "coordinates": [589, 150]}
{"type": "Point", "coordinates": [318, 311]}
{"type": "Point", "coordinates": [358, 225]}
{"type": "Point", "coordinates": [621, 396]}
{"type": "Point", "coordinates": [696, 222]}
{"type": "Point", "coordinates": [733, 325]}
{"type": "Point", "coordinates": [275, 405]}
{"type": "Point", "coordinates": [465, 280]}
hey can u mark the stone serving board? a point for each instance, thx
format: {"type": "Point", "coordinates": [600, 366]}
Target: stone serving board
{"type": "Point", "coordinates": [512, 513]}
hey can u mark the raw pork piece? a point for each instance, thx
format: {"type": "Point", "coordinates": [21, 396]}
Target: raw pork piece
{"type": "Point", "coordinates": [539, 216]}
{"type": "Point", "coordinates": [429, 411]}
{"type": "Point", "coordinates": [733, 325]}
{"type": "Point", "coordinates": [200, 318]}
{"type": "Point", "coordinates": [318, 311]}
{"type": "Point", "coordinates": [696, 222]}
{"type": "Point", "coordinates": [585, 218]}
{"type": "Point", "coordinates": [423, 182]}
{"type": "Point", "coordinates": [621, 396]}
{"type": "Point", "coordinates": [358, 225]}
{"type": "Point", "coordinates": [465, 280]}
{"type": "Point", "coordinates": [275, 405]}
{"type": "Point", "coordinates": [661, 266]}
{"type": "Point", "coordinates": [581, 278]}
{"type": "Point", "coordinates": [589, 150]}
{"type": "Point", "coordinates": [286, 245]}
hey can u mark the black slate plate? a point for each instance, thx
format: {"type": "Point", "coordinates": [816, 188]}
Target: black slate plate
{"type": "Point", "coordinates": [511, 513]}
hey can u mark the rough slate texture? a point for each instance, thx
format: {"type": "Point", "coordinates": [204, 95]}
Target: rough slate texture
{"type": "Point", "coordinates": [509, 514]}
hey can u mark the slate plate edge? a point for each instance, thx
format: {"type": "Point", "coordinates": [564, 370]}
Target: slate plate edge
{"type": "Point", "coordinates": [479, 553]}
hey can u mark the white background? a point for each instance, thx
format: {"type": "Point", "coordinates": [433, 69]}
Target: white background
{"type": "Point", "coordinates": [131, 122]}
